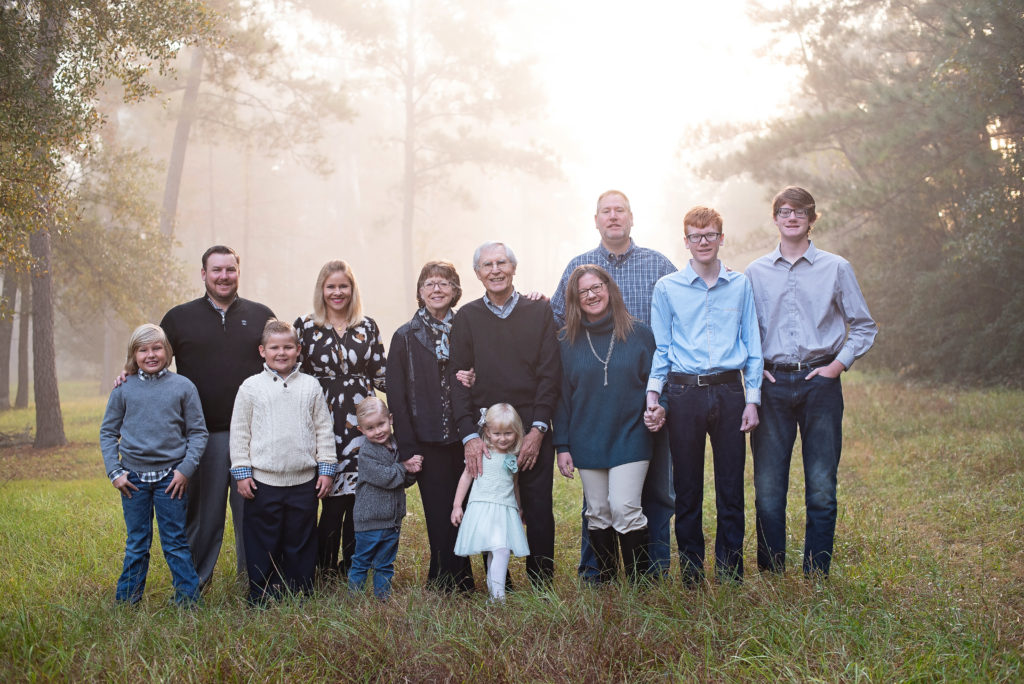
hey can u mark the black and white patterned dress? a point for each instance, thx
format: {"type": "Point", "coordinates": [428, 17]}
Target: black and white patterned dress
{"type": "Point", "coordinates": [349, 366]}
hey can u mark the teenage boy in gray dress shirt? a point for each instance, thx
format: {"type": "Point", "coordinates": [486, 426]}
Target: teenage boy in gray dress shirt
{"type": "Point", "coordinates": [814, 323]}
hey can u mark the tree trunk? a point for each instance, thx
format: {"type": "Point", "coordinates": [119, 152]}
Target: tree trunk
{"type": "Point", "coordinates": [175, 167]}
{"type": "Point", "coordinates": [49, 420]}
{"type": "Point", "coordinates": [24, 321]}
{"type": "Point", "coordinates": [6, 330]}
{"type": "Point", "coordinates": [409, 175]}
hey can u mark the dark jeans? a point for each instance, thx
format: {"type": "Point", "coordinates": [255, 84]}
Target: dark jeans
{"type": "Point", "coordinates": [693, 413]}
{"type": "Point", "coordinates": [438, 480]}
{"type": "Point", "coordinates": [815, 407]}
{"type": "Point", "coordinates": [138, 519]}
{"type": "Point", "coordinates": [658, 502]}
{"type": "Point", "coordinates": [336, 526]}
{"type": "Point", "coordinates": [375, 550]}
{"type": "Point", "coordinates": [280, 539]}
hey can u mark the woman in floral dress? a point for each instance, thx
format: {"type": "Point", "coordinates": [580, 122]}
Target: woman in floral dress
{"type": "Point", "coordinates": [342, 349]}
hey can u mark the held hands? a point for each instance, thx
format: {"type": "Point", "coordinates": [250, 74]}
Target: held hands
{"type": "Point", "coordinates": [750, 419]}
{"type": "Point", "coordinates": [654, 414]}
{"type": "Point", "coordinates": [247, 488]}
{"type": "Point", "coordinates": [565, 465]}
{"type": "Point", "coordinates": [456, 515]}
{"type": "Point", "coordinates": [323, 486]}
{"type": "Point", "coordinates": [474, 451]}
{"type": "Point", "coordinates": [413, 464]}
{"type": "Point", "coordinates": [530, 449]}
{"type": "Point", "coordinates": [124, 486]}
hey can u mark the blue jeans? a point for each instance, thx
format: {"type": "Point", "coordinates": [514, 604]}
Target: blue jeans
{"type": "Point", "coordinates": [658, 503]}
{"type": "Point", "coordinates": [170, 517]}
{"type": "Point", "coordinates": [694, 414]}
{"type": "Point", "coordinates": [376, 550]}
{"type": "Point", "coordinates": [815, 407]}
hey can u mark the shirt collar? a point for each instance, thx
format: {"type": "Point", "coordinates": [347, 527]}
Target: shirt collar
{"type": "Point", "coordinates": [285, 378]}
{"type": "Point", "coordinates": [143, 375]}
{"type": "Point", "coordinates": [613, 257]}
{"type": "Point", "coordinates": [811, 254]}
{"type": "Point", "coordinates": [214, 304]}
{"type": "Point", "coordinates": [723, 274]}
{"type": "Point", "coordinates": [504, 310]}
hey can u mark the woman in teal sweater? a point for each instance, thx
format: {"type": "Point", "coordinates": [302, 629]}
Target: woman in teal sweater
{"type": "Point", "coordinates": [601, 425]}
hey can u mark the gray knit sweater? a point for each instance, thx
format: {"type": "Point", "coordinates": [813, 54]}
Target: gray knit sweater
{"type": "Point", "coordinates": [380, 491]}
{"type": "Point", "coordinates": [153, 424]}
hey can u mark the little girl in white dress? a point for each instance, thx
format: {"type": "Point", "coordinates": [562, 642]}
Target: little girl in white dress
{"type": "Point", "coordinates": [492, 522]}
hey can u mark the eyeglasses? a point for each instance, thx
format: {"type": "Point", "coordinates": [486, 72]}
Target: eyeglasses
{"type": "Point", "coordinates": [595, 290]}
{"type": "Point", "coordinates": [432, 285]}
{"type": "Point", "coordinates": [695, 238]}
{"type": "Point", "coordinates": [500, 264]}
{"type": "Point", "coordinates": [786, 212]}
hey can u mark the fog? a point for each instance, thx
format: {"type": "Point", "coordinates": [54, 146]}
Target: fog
{"type": "Point", "coordinates": [608, 101]}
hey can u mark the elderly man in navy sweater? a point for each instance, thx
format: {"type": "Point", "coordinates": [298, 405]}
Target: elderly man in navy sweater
{"type": "Point", "coordinates": [510, 341]}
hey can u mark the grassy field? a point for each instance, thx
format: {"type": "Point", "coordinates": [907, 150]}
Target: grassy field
{"type": "Point", "coordinates": [927, 582]}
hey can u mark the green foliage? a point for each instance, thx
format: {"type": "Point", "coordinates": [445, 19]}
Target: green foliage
{"type": "Point", "coordinates": [907, 128]}
{"type": "Point", "coordinates": [925, 585]}
{"type": "Point", "coordinates": [54, 57]}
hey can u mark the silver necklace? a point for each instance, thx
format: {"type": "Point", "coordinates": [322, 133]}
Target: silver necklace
{"type": "Point", "coordinates": [604, 362]}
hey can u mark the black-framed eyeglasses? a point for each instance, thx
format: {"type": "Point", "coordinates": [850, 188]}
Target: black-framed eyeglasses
{"type": "Point", "coordinates": [786, 212]}
{"type": "Point", "coordinates": [695, 238]}
{"type": "Point", "coordinates": [595, 290]}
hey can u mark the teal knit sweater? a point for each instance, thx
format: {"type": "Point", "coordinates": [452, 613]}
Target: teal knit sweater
{"type": "Point", "coordinates": [603, 426]}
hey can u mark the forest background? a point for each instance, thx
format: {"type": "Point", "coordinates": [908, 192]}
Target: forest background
{"type": "Point", "coordinates": [133, 135]}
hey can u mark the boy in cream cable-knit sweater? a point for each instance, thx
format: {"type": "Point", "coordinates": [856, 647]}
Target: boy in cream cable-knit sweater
{"type": "Point", "coordinates": [283, 459]}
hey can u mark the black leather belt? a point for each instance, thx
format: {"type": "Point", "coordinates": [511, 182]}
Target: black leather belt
{"type": "Point", "coordinates": [722, 378]}
{"type": "Point", "coordinates": [797, 367]}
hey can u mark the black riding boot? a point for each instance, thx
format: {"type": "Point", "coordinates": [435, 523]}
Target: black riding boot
{"type": "Point", "coordinates": [634, 554]}
{"type": "Point", "coordinates": [605, 544]}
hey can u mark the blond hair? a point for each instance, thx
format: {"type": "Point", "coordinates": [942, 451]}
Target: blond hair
{"type": "Point", "coordinates": [147, 333]}
{"type": "Point", "coordinates": [503, 416]}
{"type": "Point", "coordinates": [371, 406]}
{"type": "Point", "coordinates": [355, 303]}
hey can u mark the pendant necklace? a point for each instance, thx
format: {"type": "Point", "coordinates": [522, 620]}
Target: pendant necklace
{"type": "Point", "coordinates": [604, 362]}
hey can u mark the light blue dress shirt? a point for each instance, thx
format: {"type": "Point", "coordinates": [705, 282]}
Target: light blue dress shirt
{"type": "Point", "coordinates": [700, 330]}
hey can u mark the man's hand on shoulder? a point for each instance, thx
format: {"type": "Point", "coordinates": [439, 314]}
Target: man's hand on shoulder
{"type": "Point", "coordinates": [536, 296]}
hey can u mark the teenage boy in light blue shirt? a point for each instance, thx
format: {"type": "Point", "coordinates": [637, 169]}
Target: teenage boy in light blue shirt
{"type": "Point", "coordinates": [706, 331]}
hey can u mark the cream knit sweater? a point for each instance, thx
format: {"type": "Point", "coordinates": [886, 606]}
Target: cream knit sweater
{"type": "Point", "coordinates": [281, 428]}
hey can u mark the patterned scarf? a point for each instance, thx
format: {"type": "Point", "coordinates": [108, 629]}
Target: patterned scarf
{"type": "Point", "coordinates": [438, 333]}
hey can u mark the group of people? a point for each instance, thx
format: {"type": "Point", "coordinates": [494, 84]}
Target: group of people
{"type": "Point", "coordinates": [622, 376]}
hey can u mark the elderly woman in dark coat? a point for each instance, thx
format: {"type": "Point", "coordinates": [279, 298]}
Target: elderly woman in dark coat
{"type": "Point", "coordinates": [420, 398]}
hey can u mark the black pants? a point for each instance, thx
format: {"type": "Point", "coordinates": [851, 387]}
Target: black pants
{"type": "Point", "coordinates": [279, 539]}
{"type": "Point", "coordinates": [438, 480]}
{"type": "Point", "coordinates": [535, 486]}
{"type": "Point", "coordinates": [336, 525]}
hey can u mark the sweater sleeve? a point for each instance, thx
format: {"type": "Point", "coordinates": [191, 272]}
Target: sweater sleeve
{"type": "Point", "coordinates": [563, 410]}
{"type": "Point", "coordinates": [549, 369]}
{"type": "Point", "coordinates": [195, 431]}
{"type": "Point", "coordinates": [377, 468]}
{"type": "Point", "coordinates": [241, 429]}
{"type": "Point", "coordinates": [110, 430]}
{"type": "Point", "coordinates": [323, 423]}
{"type": "Point", "coordinates": [462, 359]}
{"type": "Point", "coordinates": [397, 375]}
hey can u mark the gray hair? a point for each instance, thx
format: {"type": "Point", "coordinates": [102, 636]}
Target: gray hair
{"type": "Point", "coordinates": [509, 254]}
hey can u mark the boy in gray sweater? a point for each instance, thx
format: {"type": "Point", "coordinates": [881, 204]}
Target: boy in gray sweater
{"type": "Point", "coordinates": [380, 499]}
{"type": "Point", "coordinates": [152, 437]}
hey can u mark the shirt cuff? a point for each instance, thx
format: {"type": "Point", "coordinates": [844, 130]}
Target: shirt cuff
{"type": "Point", "coordinates": [241, 473]}
{"type": "Point", "coordinates": [539, 424]}
{"type": "Point", "coordinates": [466, 440]}
{"type": "Point", "coordinates": [329, 469]}
{"type": "Point", "coordinates": [116, 473]}
{"type": "Point", "coordinates": [754, 396]}
{"type": "Point", "coordinates": [655, 385]}
{"type": "Point", "coordinates": [845, 357]}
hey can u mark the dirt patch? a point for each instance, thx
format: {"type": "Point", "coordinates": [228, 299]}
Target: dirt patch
{"type": "Point", "coordinates": [69, 462]}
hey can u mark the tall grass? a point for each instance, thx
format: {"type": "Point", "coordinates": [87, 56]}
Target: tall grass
{"type": "Point", "coordinates": [927, 583]}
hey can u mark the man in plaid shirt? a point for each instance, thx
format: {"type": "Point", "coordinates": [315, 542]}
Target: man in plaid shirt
{"type": "Point", "coordinates": [635, 270]}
